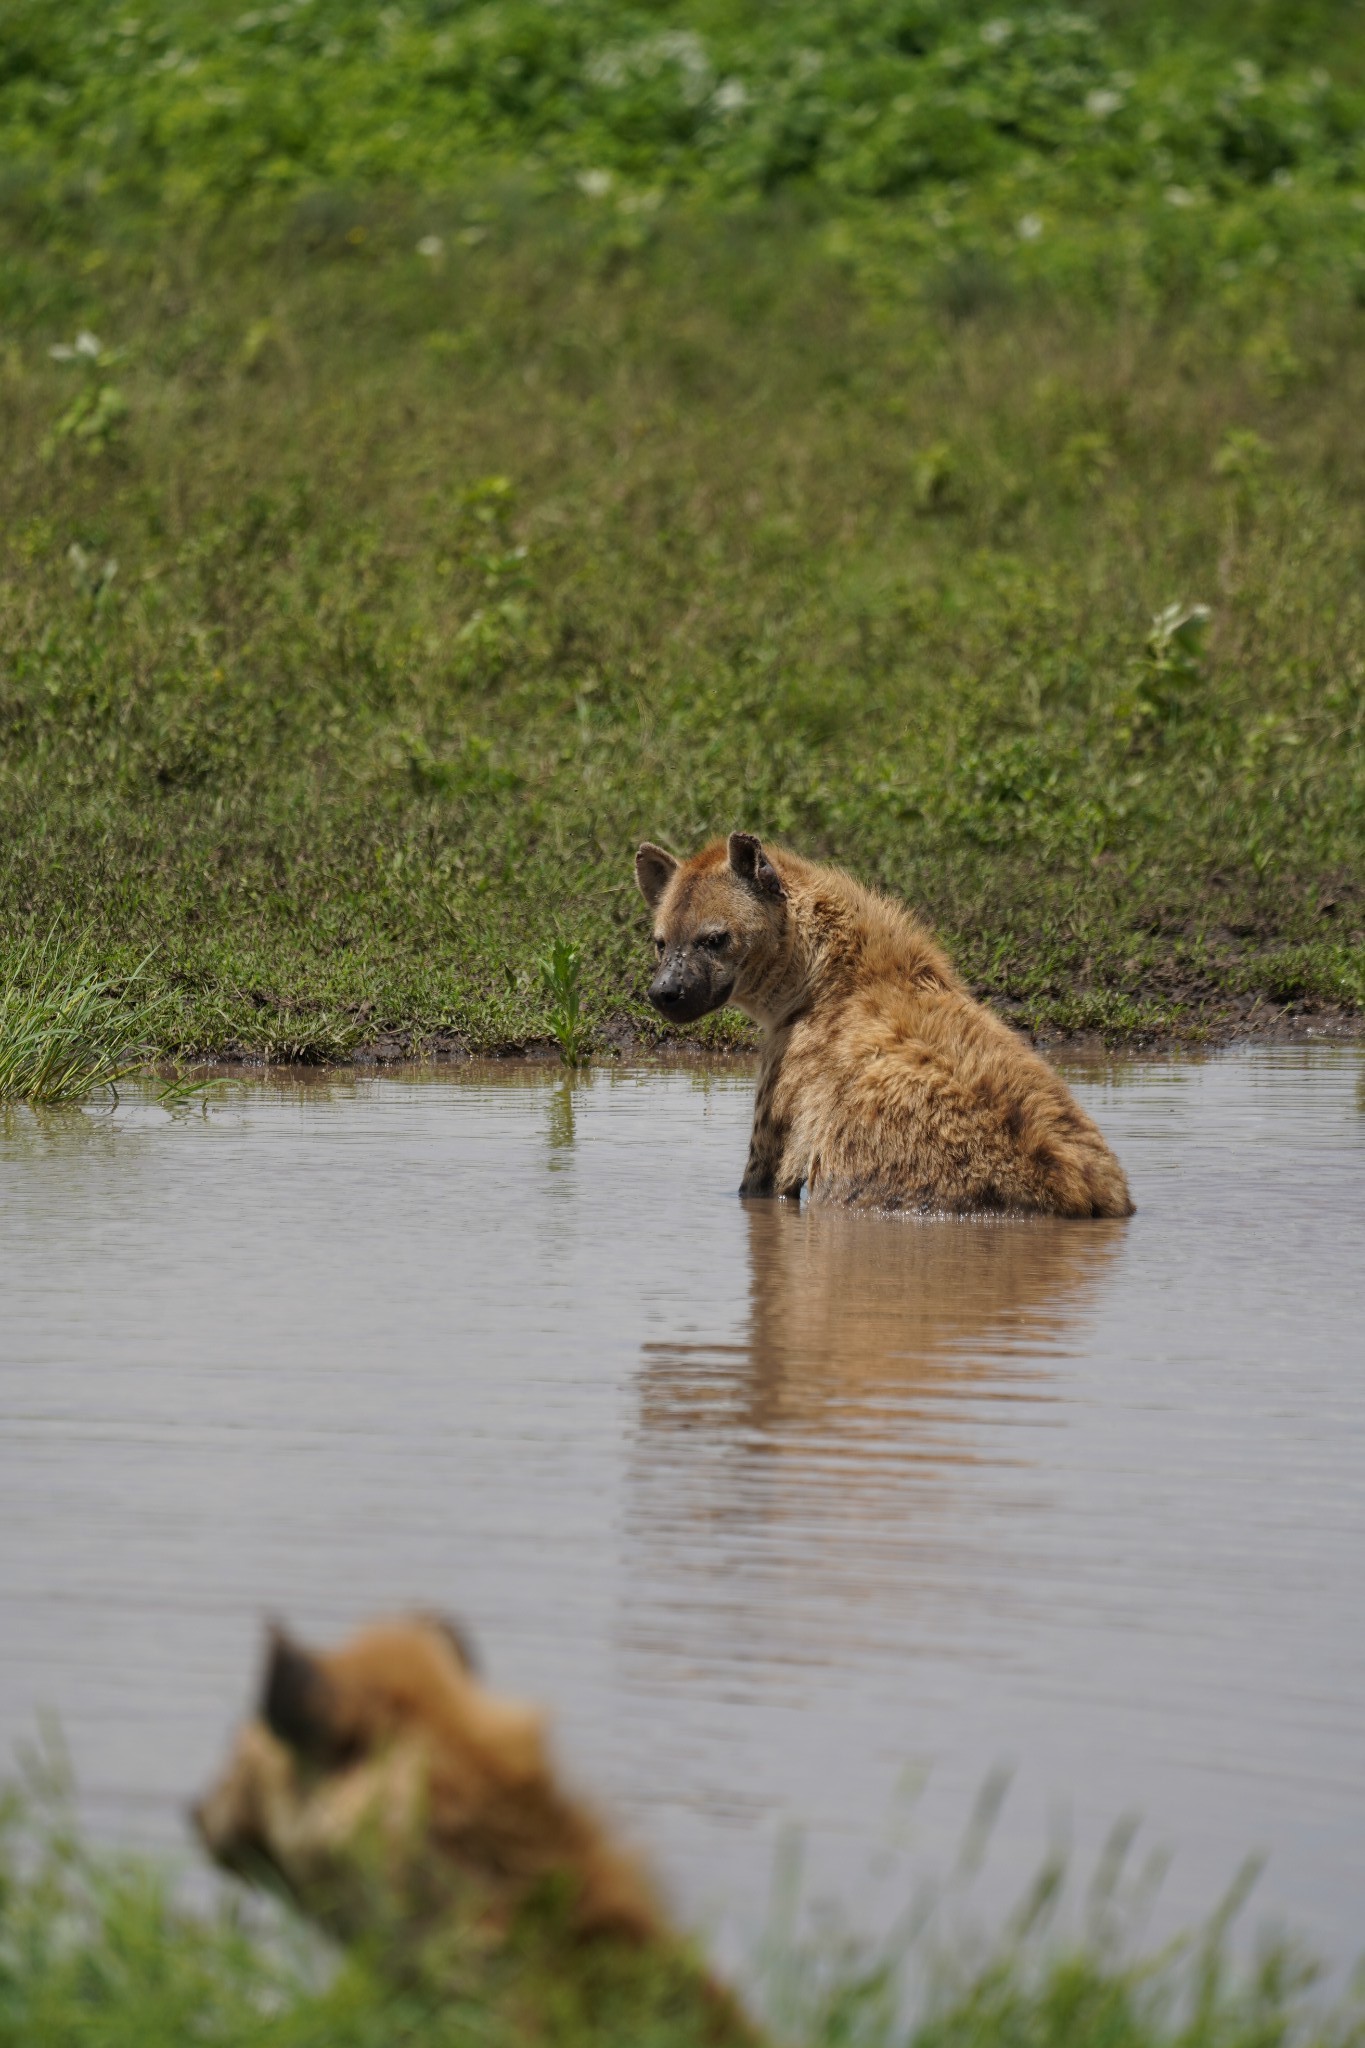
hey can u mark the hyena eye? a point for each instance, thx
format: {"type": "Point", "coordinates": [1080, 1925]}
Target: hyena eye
{"type": "Point", "coordinates": [659, 946]}
{"type": "Point", "coordinates": [714, 942]}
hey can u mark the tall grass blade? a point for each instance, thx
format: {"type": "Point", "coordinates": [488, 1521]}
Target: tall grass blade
{"type": "Point", "coordinates": [64, 1030]}
{"type": "Point", "coordinates": [560, 974]}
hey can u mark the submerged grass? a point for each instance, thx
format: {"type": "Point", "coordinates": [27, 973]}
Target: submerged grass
{"type": "Point", "coordinates": [65, 1031]}
{"type": "Point", "coordinates": [96, 1953]}
{"type": "Point", "coordinates": [444, 447]}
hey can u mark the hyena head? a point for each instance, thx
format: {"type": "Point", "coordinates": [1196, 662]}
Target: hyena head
{"type": "Point", "coordinates": [383, 1781]}
{"type": "Point", "coordinates": [334, 1788]}
{"type": "Point", "coordinates": [721, 926]}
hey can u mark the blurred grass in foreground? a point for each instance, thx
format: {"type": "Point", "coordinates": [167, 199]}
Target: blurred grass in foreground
{"type": "Point", "coordinates": [96, 1953]}
{"type": "Point", "coordinates": [446, 446]}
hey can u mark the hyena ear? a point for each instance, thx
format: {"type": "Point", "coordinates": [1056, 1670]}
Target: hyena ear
{"type": "Point", "coordinates": [752, 865]}
{"type": "Point", "coordinates": [299, 1702]}
{"type": "Point", "coordinates": [654, 870]}
{"type": "Point", "coordinates": [456, 1638]}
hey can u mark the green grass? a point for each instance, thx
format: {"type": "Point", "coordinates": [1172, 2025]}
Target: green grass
{"type": "Point", "coordinates": [63, 1031]}
{"type": "Point", "coordinates": [561, 977]}
{"type": "Point", "coordinates": [96, 1952]}
{"type": "Point", "coordinates": [1251, 118]}
{"type": "Point", "coordinates": [491, 448]}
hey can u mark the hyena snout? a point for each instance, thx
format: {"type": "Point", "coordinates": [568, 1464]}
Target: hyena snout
{"type": "Point", "coordinates": [685, 988]}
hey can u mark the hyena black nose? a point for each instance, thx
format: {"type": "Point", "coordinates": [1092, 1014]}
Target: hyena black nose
{"type": "Point", "coordinates": [681, 997]}
{"type": "Point", "coordinates": [666, 991]}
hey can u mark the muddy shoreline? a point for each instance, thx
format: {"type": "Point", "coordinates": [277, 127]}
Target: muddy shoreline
{"type": "Point", "coordinates": [1252, 1022]}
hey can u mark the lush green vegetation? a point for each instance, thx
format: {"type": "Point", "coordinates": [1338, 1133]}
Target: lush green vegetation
{"type": "Point", "coordinates": [447, 444]}
{"type": "Point", "coordinates": [63, 1032]}
{"type": "Point", "coordinates": [1252, 124]}
{"type": "Point", "coordinates": [95, 1952]}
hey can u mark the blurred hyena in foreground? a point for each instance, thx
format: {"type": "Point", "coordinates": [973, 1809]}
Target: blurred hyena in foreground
{"type": "Point", "coordinates": [396, 1799]}
{"type": "Point", "coordinates": [883, 1083]}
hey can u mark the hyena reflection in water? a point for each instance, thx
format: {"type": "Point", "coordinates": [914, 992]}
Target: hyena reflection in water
{"type": "Point", "coordinates": [847, 1463]}
{"type": "Point", "coordinates": [863, 1324]}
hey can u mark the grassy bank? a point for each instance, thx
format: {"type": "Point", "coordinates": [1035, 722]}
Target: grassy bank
{"type": "Point", "coordinates": [481, 441]}
{"type": "Point", "coordinates": [96, 1953]}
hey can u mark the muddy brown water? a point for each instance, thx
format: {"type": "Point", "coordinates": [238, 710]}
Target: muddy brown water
{"type": "Point", "coordinates": [800, 1521]}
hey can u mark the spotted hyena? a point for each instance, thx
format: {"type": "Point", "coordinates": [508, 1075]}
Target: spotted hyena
{"type": "Point", "coordinates": [883, 1083]}
{"type": "Point", "coordinates": [397, 1799]}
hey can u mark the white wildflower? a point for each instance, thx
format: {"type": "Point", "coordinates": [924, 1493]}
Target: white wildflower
{"type": "Point", "coordinates": [430, 245]}
{"type": "Point", "coordinates": [606, 68]}
{"type": "Point", "coordinates": [90, 573]}
{"type": "Point", "coordinates": [614, 67]}
{"type": "Point", "coordinates": [1029, 228]}
{"type": "Point", "coordinates": [1179, 195]}
{"type": "Point", "coordinates": [683, 45]}
{"type": "Point", "coordinates": [1102, 102]}
{"type": "Point", "coordinates": [86, 345]}
{"type": "Point", "coordinates": [731, 96]}
{"type": "Point", "coordinates": [994, 33]}
{"type": "Point", "coordinates": [596, 184]}
{"type": "Point", "coordinates": [688, 52]}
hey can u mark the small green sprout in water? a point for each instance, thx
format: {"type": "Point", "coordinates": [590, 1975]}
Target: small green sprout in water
{"type": "Point", "coordinates": [560, 978]}
{"type": "Point", "coordinates": [182, 1092]}
{"type": "Point", "coordinates": [64, 1030]}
